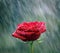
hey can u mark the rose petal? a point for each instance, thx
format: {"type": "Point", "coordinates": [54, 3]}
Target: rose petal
{"type": "Point", "coordinates": [18, 36]}
{"type": "Point", "coordinates": [24, 33]}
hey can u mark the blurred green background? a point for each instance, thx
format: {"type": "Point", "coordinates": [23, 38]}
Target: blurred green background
{"type": "Point", "coordinates": [13, 12]}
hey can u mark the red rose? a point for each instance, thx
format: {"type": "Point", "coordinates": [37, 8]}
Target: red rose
{"type": "Point", "coordinates": [29, 31]}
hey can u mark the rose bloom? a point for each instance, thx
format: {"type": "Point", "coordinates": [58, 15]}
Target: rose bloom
{"type": "Point", "coordinates": [29, 31]}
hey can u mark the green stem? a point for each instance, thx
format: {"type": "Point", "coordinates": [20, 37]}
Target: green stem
{"type": "Point", "coordinates": [32, 47]}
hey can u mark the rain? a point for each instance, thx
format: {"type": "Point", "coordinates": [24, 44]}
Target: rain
{"type": "Point", "coordinates": [13, 12]}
